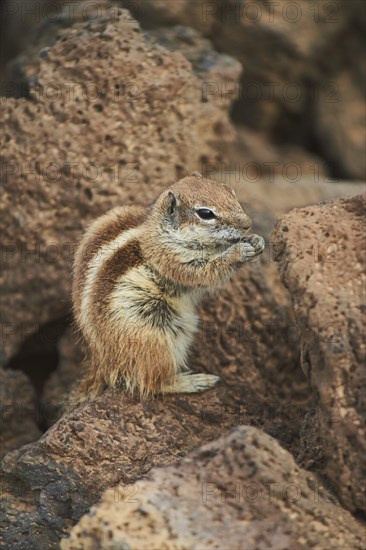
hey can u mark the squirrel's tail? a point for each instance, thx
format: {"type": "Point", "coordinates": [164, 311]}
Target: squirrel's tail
{"type": "Point", "coordinates": [86, 389]}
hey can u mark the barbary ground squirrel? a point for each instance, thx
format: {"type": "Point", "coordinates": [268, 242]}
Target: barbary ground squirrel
{"type": "Point", "coordinates": [139, 274]}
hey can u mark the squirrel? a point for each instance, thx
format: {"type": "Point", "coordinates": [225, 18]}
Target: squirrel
{"type": "Point", "coordinates": [140, 272]}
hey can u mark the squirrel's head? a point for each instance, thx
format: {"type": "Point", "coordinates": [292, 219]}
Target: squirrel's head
{"type": "Point", "coordinates": [198, 213]}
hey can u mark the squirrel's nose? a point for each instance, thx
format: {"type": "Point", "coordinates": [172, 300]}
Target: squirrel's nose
{"type": "Point", "coordinates": [246, 222]}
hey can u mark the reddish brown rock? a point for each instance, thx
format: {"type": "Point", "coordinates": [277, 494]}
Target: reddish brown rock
{"type": "Point", "coordinates": [310, 92]}
{"type": "Point", "coordinates": [206, 62]}
{"type": "Point", "coordinates": [18, 21]}
{"type": "Point", "coordinates": [111, 118]}
{"type": "Point", "coordinates": [242, 491]}
{"type": "Point", "coordinates": [264, 202]}
{"type": "Point", "coordinates": [245, 337]}
{"type": "Point", "coordinates": [340, 125]}
{"type": "Point", "coordinates": [257, 161]}
{"type": "Point", "coordinates": [320, 250]}
{"type": "Point", "coordinates": [154, 132]}
{"type": "Point", "coordinates": [19, 411]}
{"type": "Point", "coordinates": [58, 385]}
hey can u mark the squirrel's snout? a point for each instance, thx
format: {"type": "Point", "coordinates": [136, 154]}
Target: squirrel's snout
{"type": "Point", "coordinates": [246, 222]}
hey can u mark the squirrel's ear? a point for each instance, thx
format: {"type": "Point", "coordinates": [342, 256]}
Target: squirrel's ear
{"type": "Point", "coordinates": [172, 203]}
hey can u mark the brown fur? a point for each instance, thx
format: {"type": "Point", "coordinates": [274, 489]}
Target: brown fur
{"type": "Point", "coordinates": [121, 262]}
{"type": "Point", "coordinates": [136, 276]}
{"type": "Point", "coordinates": [211, 195]}
{"type": "Point", "coordinates": [103, 230]}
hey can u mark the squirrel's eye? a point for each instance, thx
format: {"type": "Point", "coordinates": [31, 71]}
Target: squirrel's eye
{"type": "Point", "coordinates": [206, 214]}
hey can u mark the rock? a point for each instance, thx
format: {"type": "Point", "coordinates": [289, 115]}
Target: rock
{"type": "Point", "coordinates": [59, 384]}
{"type": "Point", "coordinates": [183, 12]}
{"type": "Point", "coordinates": [269, 199]}
{"type": "Point", "coordinates": [19, 412]}
{"type": "Point", "coordinates": [311, 454]}
{"type": "Point", "coordinates": [320, 250]}
{"type": "Point", "coordinates": [264, 202]}
{"type": "Point", "coordinates": [257, 160]}
{"type": "Point", "coordinates": [242, 491]}
{"type": "Point", "coordinates": [340, 126]}
{"type": "Point", "coordinates": [339, 111]}
{"type": "Point", "coordinates": [18, 21]}
{"type": "Point", "coordinates": [111, 118]}
{"type": "Point", "coordinates": [310, 93]}
{"type": "Point", "coordinates": [207, 63]}
{"type": "Point", "coordinates": [246, 337]}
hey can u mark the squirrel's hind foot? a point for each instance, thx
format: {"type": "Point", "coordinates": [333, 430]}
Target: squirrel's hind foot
{"type": "Point", "coordinates": [191, 383]}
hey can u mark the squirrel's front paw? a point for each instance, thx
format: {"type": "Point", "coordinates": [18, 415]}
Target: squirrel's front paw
{"type": "Point", "coordinates": [257, 243]}
{"type": "Point", "coordinates": [251, 247]}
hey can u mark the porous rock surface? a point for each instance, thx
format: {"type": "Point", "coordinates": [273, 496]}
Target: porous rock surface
{"type": "Point", "coordinates": [112, 118]}
{"type": "Point", "coordinates": [321, 255]}
{"type": "Point", "coordinates": [299, 84]}
{"type": "Point", "coordinates": [59, 383]}
{"type": "Point", "coordinates": [242, 491]}
{"type": "Point", "coordinates": [244, 338]}
{"type": "Point", "coordinates": [19, 414]}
